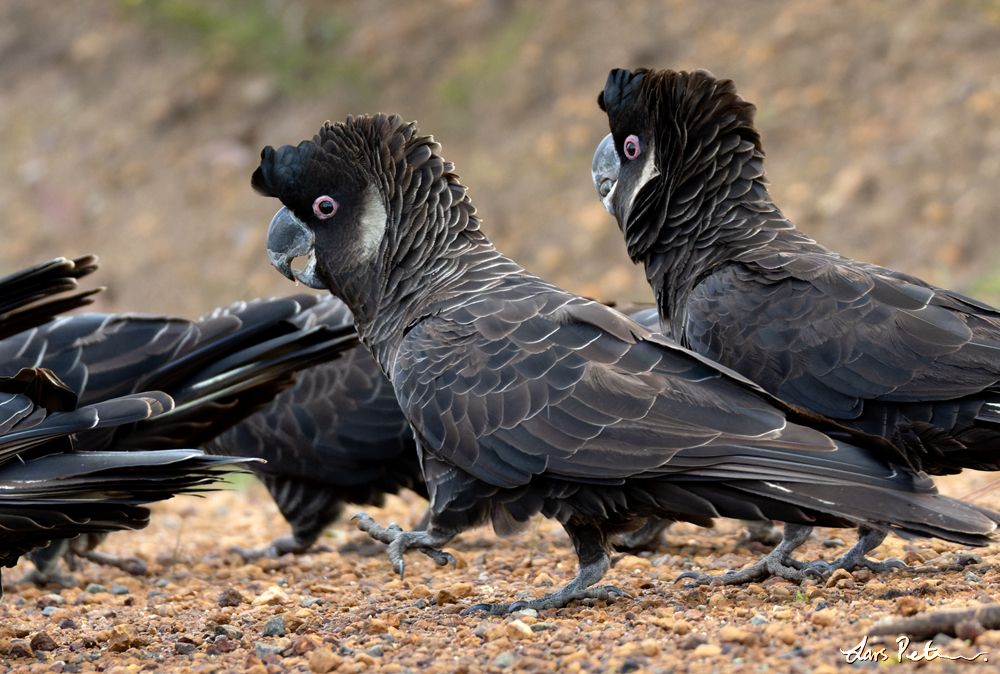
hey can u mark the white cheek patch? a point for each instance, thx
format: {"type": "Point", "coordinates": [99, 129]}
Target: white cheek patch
{"type": "Point", "coordinates": [649, 171]}
{"type": "Point", "coordinates": [373, 221]}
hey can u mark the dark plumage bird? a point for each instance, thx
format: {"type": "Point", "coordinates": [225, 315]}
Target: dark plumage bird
{"type": "Point", "coordinates": [524, 398]}
{"type": "Point", "coordinates": [51, 486]}
{"type": "Point", "coordinates": [33, 296]}
{"type": "Point", "coordinates": [219, 370]}
{"type": "Point", "coordinates": [337, 436]}
{"type": "Point", "coordinates": [879, 351]}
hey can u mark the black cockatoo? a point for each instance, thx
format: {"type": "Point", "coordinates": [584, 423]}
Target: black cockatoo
{"type": "Point", "coordinates": [526, 399]}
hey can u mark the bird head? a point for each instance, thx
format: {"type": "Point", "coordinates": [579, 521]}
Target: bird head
{"type": "Point", "coordinates": [672, 133]}
{"type": "Point", "coordinates": [381, 218]}
{"type": "Point", "coordinates": [334, 189]}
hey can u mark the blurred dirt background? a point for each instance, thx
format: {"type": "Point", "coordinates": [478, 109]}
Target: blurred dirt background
{"type": "Point", "coordinates": [130, 128]}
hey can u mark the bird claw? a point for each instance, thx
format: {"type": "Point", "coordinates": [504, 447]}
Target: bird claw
{"type": "Point", "coordinates": [818, 574]}
{"type": "Point", "coordinates": [556, 600]}
{"type": "Point", "coordinates": [817, 569]}
{"type": "Point", "coordinates": [400, 541]}
{"type": "Point", "coordinates": [699, 578]}
{"type": "Point", "coordinates": [134, 566]}
{"type": "Point", "coordinates": [440, 557]}
{"type": "Point", "coordinates": [489, 608]}
{"type": "Point", "coordinates": [885, 566]}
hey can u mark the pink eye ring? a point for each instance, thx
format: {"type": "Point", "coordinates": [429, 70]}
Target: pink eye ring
{"type": "Point", "coordinates": [631, 147]}
{"type": "Point", "coordinates": [324, 207]}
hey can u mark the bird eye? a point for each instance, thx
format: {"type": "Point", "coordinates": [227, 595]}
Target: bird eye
{"type": "Point", "coordinates": [324, 207]}
{"type": "Point", "coordinates": [631, 146]}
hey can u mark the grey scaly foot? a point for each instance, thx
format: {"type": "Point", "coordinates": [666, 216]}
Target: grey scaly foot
{"type": "Point", "coordinates": [577, 589]}
{"type": "Point", "coordinates": [130, 565]}
{"type": "Point", "coordinates": [46, 561]}
{"type": "Point", "coordinates": [276, 548]}
{"type": "Point", "coordinates": [400, 541]}
{"type": "Point", "coordinates": [868, 540]}
{"type": "Point", "coordinates": [41, 579]}
{"type": "Point", "coordinates": [775, 563]}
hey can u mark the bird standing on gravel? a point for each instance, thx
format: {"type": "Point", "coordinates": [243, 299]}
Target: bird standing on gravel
{"type": "Point", "coordinates": [52, 482]}
{"type": "Point", "coordinates": [218, 370]}
{"type": "Point", "coordinates": [524, 398]}
{"type": "Point", "coordinates": [879, 351]}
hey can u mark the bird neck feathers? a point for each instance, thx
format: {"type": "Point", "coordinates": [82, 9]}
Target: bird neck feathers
{"type": "Point", "coordinates": [710, 204]}
{"type": "Point", "coordinates": [432, 255]}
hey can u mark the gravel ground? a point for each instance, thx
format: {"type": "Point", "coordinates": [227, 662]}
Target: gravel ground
{"type": "Point", "coordinates": [201, 609]}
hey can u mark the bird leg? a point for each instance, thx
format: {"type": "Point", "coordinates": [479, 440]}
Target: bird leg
{"type": "Point", "coordinates": [647, 537]}
{"type": "Point", "coordinates": [130, 565]}
{"type": "Point", "coordinates": [590, 544]}
{"type": "Point", "coordinates": [373, 548]}
{"type": "Point", "coordinates": [399, 541]}
{"type": "Point", "coordinates": [276, 548]}
{"type": "Point", "coordinates": [46, 561]}
{"type": "Point", "coordinates": [868, 540]}
{"type": "Point", "coordinates": [775, 563]}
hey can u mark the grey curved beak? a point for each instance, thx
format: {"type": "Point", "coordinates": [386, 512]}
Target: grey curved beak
{"type": "Point", "coordinates": [604, 171]}
{"type": "Point", "coordinates": [289, 238]}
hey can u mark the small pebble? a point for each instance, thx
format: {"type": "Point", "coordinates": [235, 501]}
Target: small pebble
{"type": "Point", "coordinates": [19, 648]}
{"type": "Point", "coordinates": [223, 645]}
{"type": "Point", "coordinates": [229, 597]}
{"type": "Point", "coordinates": [52, 600]}
{"type": "Point", "coordinates": [228, 631]}
{"type": "Point", "coordinates": [163, 582]}
{"type": "Point", "coordinates": [118, 589]}
{"type": "Point", "coordinates": [261, 649]}
{"type": "Point", "coordinates": [94, 588]}
{"type": "Point", "coordinates": [182, 648]}
{"type": "Point", "coordinates": [43, 642]}
{"type": "Point", "coordinates": [275, 627]}
{"type": "Point", "coordinates": [272, 595]}
{"type": "Point", "coordinates": [824, 617]}
{"type": "Point", "coordinates": [833, 543]}
{"type": "Point", "coordinates": [504, 660]}
{"type": "Point", "coordinates": [49, 610]}
{"type": "Point", "coordinates": [323, 660]}
{"type": "Point", "coordinates": [730, 633]}
{"type": "Point", "coordinates": [517, 629]}
{"type": "Point", "coordinates": [542, 627]}
{"type": "Point", "coordinates": [971, 577]}
{"type": "Point", "coordinates": [123, 637]}
{"type": "Point", "coordinates": [706, 651]}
